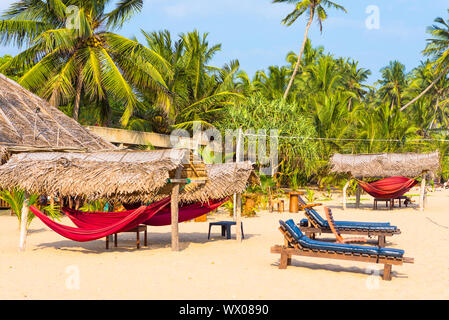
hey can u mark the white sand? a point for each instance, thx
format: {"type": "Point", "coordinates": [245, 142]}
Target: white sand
{"type": "Point", "coordinates": [224, 269]}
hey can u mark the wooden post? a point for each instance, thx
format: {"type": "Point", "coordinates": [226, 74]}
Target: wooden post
{"type": "Point", "coordinates": [238, 197]}
{"type": "Point", "coordinates": [175, 213]}
{"type": "Point", "coordinates": [344, 193]}
{"type": "Point", "coordinates": [357, 197]}
{"type": "Point", "coordinates": [423, 193]}
{"type": "Point", "coordinates": [23, 222]}
{"type": "Point", "coordinates": [52, 201]}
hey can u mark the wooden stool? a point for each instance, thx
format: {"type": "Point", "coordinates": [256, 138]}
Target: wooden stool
{"type": "Point", "coordinates": [280, 205]}
{"type": "Point", "coordinates": [137, 230]}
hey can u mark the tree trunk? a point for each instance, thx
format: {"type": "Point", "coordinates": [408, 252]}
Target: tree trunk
{"type": "Point", "coordinates": [312, 13]}
{"type": "Point", "coordinates": [76, 106]}
{"type": "Point", "coordinates": [107, 121]}
{"type": "Point", "coordinates": [426, 90]}
{"type": "Point", "coordinates": [437, 104]}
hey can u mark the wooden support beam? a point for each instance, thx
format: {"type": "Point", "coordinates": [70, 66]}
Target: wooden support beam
{"type": "Point", "coordinates": [357, 197]}
{"type": "Point", "coordinates": [24, 222]}
{"type": "Point", "coordinates": [183, 181]}
{"type": "Point", "coordinates": [175, 213]}
{"type": "Point", "coordinates": [422, 194]}
{"type": "Point", "coordinates": [345, 188]}
{"type": "Point", "coordinates": [238, 197]}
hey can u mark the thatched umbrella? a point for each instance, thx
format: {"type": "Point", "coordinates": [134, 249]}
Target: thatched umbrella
{"type": "Point", "coordinates": [386, 165]}
{"type": "Point", "coordinates": [29, 121]}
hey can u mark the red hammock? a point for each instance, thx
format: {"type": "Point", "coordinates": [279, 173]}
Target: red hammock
{"type": "Point", "coordinates": [389, 188]}
{"type": "Point", "coordinates": [91, 220]}
{"type": "Point", "coordinates": [94, 232]}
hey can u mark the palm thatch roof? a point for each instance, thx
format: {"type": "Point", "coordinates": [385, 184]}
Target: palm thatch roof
{"type": "Point", "coordinates": [4, 155]}
{"type": "Point", "coordinates": [223, 180]}
{"type": "Point", "coordinates": [126, 177]}
{"type": "Point", "coordinates": [28, 120]}
{"type": "Point", "coordinates": [386, 164]}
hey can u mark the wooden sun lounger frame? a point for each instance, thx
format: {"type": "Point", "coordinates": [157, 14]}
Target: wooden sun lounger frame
{"type": "Point", "coordinates": [292, 248]}
{"type": "Point", "coordinates": [315, 229]}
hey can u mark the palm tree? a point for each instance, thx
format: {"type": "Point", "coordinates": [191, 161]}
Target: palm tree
{"type": "Point", "coordinates": [199, 91]}
{"type": "Point", "coordinates": [393, 83]}
{"type": "Point", "coordinates": [312, 8]}
{"type": "Point", "coordinates": [437, 48]}
{"type": "Point", "coordinates": [69, 62]}
{"type": "Point", "coordinates": [437, 95]}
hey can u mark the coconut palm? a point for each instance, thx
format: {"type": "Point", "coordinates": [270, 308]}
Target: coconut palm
{"type": "Point", "coordinates": [393, 83]}
{"type": "Point", "coordinates": [437, 96]}
{"type": "Point", "coordinates": [314, 8]}
{"type": "Point", "coordinates": [72, 52]}
{"type": "Point", "coordinates": [200, 91]}
{"type": "Point", "coordinates": [438, 49]}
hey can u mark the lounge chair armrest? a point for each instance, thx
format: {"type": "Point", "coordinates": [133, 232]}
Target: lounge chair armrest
{"type": "Point", "coordinates": [308, 206]}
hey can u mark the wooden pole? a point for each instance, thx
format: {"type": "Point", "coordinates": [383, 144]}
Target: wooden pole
{"type": "Point", "coordinates": [24, 222]}
{"type": "Point", "coordinates": [238, 198]}
{"type": "Point", "coordinates": [357, 197]}
{"type": "Point", "coordinates": [175, 213]}
{"type": "Point", "coordinates": [345, 188]}
{"type": "Point", "coordinates": [423, 193]}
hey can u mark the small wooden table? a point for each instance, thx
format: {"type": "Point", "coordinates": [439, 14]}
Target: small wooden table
{"type": "Point", "coordinates": [294, 201]}
{"type": "Point", "coordinates": [137, 230]}
{"type": "Point", "coordinates": [225, 228]}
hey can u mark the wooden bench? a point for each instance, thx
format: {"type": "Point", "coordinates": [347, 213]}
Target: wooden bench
{"type": "Point", "coordinates": [137, 230]}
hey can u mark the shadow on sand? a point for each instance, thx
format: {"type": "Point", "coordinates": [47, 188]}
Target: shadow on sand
{"type": "Point", "coordinates": [127, 242]}
{"type": "Point", "coordinates": [338, 268]}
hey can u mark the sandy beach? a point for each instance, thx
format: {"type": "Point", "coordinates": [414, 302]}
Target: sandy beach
{"type": "Point", "coordinates": [224, 269]}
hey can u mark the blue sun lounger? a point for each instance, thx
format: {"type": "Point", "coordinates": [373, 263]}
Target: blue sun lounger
{"type": "Point", "coordinates": [315, 224]}
{"type": "Point", "coordinates": [296, 243]}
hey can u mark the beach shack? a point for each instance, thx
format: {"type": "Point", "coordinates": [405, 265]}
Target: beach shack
{"type": "Point", "coordinates": [409, 166]}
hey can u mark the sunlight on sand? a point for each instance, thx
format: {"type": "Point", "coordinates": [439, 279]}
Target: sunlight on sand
{"type": "Point", "coordinates": [224, 269]}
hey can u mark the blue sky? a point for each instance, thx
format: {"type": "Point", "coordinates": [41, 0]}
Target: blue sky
{"type": "Point", "coordinates": [251, 30]}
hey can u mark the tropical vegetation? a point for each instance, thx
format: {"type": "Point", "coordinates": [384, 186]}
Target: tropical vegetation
{"type": "Point", "coordinates": [319, 103]}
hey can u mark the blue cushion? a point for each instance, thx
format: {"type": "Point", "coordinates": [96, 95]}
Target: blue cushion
{"type": "Point", "coordinates": [379, 226]}
{"type": "Point", "coordinates": [304, 241]}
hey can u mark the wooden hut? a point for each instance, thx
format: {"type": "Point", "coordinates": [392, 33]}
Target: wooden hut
{"type": "Point", "coordinates": [385, 165]}
{"type": "Point", "coordinates": [124, 176]}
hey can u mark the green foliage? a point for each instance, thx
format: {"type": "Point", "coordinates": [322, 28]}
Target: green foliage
{"type": "Point", "coordinates": [83, 63]}
{"type": "Point", "coordinates": [310, 195]}
{"type": "Point", "coordinates": [14, 199]}
{"type": "Point", "coordinates": [256, 113]}
{"type": "Point", "coordinates": [98, 205]}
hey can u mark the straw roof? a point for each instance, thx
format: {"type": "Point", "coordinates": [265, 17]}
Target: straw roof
{"type": "Point", "coordinates": [128, 176]}
{"type": "Point", "coordinates": [223, 180]}
{"type": "Point", "coordinates": [117, 176]}
{"type": "Point", "coordinates": [4, 155]}
{"type": "Point", "coordinates": [28, 120]}
{"type": "Point", "coordinates": [386, 164]}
